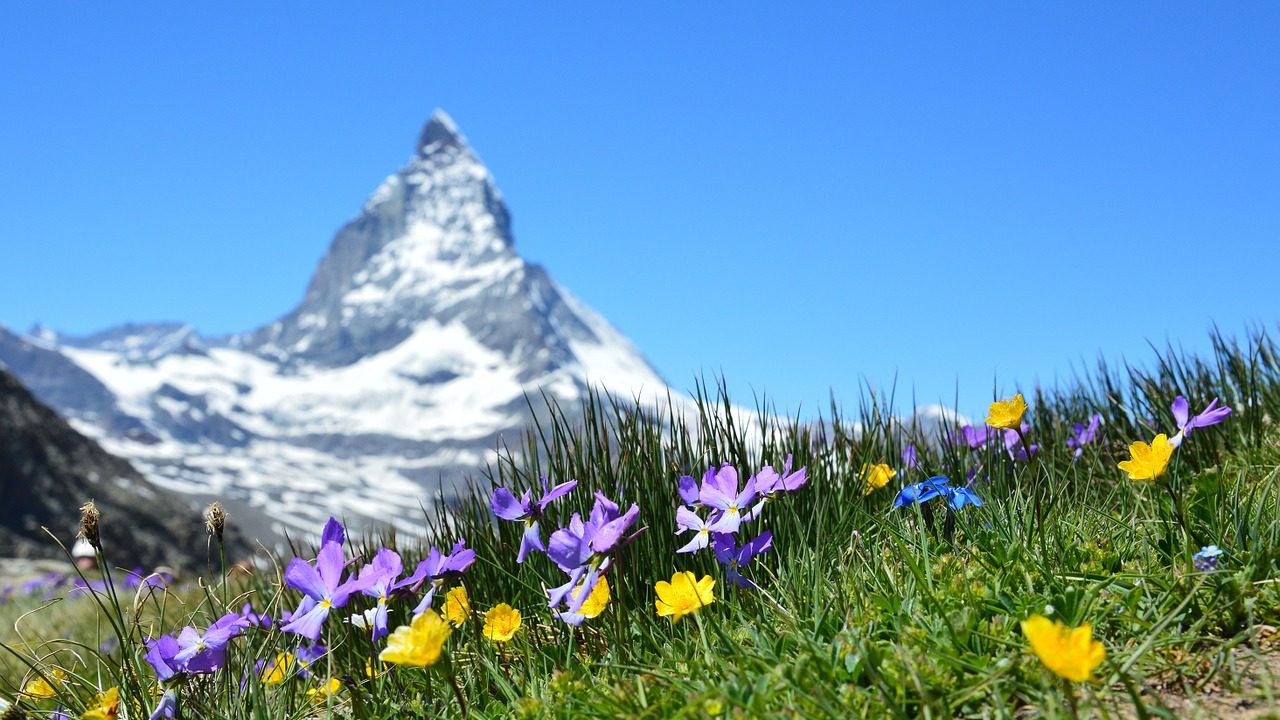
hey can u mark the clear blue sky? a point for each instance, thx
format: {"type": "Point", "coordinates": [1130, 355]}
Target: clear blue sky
{"type": "Point", "coordinates": [804, 199]}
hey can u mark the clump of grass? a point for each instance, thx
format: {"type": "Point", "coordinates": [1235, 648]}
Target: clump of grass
{"type": "Point", "coordinates": [863, 610]}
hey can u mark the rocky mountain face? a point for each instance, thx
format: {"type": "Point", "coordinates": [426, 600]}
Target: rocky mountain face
{"type": "Point", "coordinates": [47, 470]}
{"type": "Point", "coordinates": [407, 361]}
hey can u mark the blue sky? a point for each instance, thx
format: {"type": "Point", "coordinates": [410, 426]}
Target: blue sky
{"type": "Point", "coordinates": [805, 199]}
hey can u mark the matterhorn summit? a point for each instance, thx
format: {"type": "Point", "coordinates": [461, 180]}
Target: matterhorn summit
{"type": "Point", "coordinates": [409, 356]}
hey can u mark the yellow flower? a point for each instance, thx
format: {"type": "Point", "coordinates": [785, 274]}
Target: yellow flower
{"type": "Point", "coordinates": [107, 707]}
{"type": "Point", "coordinates": [683, 595]}
{"type": "Point", "coordinates": [40, 688]}
{"type": "Point", "coordinates": [1148, 462]}
{"type": "Point", "coordinates": [876, 477]}
{"type": "Point", "coordinates": [333, 687]}
{"type": "Point", "coordinates": [1007, 414]}
{"type": "Point", "coordinates": [1070, 653]}
{"type": "Point", "coordinates": [419, 643]}
{"type": "Point", "coordinates": [279, 669]}
{"type": "Point", "coordinates": [501, 623]}
{"type": "Point", "coordinates": [457, 606]}
{"type": "Point", "coordinates": [596, 601]}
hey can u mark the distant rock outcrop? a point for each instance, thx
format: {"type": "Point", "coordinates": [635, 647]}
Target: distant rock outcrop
{"type": "Point", "coordinates": [47, 470]}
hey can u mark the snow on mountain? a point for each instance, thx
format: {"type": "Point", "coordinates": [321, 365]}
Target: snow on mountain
{"type": "Point", "coordinates": [410, 353]}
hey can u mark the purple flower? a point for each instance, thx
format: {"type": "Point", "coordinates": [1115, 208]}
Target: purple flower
{"type": "Point", "coordinates": [168, 707]}
{"type": "Point", "coordinates": [255, 619]}
{"type": "Point", "coordinates": [582, 549]}
{"type": "Point", "coordinates": [724, 496]}
{"type": "Point", "coordinates": [380, 574]}
{"type": "Point", "coordinates": [687, 519]}
{"type": "Point", "coordinates": [734, 558]}
{"type": "Point", "coordinates": [1014, 445]}
{"type": "Point", "coordinates": [974, 437]}
{"type": "Point", "coordinates": [437, 568]}
{"type": "Point", "coordinates": [1082, 435]}
{"type": "Point", "coordinates": [206, 652]}
{"type": "Point", "coordinates": [770, 483]}
{"type": "Point", "coordinates": [160, 655]}
{"type": "Point", "coordinates": [909, 457]}
{"type": "Point", "coordinates": [1211, 415]}
{"type": "Point", "coordinates": [322, 589]}
{"type": "Point", "coordinates": [505, 505]}
{"type": "Point", "coordinates": [333, 532]}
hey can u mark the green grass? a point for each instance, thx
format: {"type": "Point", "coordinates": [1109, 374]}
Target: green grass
{"type": "Point", "coordinates": [863, 611]}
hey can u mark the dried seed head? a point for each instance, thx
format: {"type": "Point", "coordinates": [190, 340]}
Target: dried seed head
{"type": "Point", "coordinates": [89, 517]}
{"type": "Point", "coordinates": [215, 518]}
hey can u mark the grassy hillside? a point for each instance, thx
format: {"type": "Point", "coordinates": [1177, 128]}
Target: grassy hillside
{"type": "Point", "coordinates": [862, 609]}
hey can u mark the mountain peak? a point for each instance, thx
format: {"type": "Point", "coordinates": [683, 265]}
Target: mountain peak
{"type": "Point", "coordinates": [440, 132]}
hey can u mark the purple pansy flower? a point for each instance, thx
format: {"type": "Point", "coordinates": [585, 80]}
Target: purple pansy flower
{"type": "Point", "coordinates": [380, 574]}
{"type": "Point", "coordinates": [909, 458]}
{"type": "Point", "coordinates": [322, 588]}
{"type": "Point", "coordinates": [1082, 435]}
{"type": "Point", "coordinates": [770, 483]}
{"type": "Point", "coordinates": [687, 519]}
{"type": "Point", "coordinates": [206, 652]}
{"type": "Point", "coordinates": [437, 568]}
{"type": "Point", "coordinates": [1211, 415]}
{"type": "Point", "coordinates": [506, 506]}
{"type": "Point", "coordinates": [160, 655]}
{"type": "Point", "coordinates": [582, 548]}
{"type": "Point", "coordinates": [723, 495]}
{"type": "Point", "coordinates": [734, 558]}
{"type": "Point", "coordinates": [1014, 445]}
{"type": "Point", "coordinates": [168, 707]}
{"type": "Point", "coordinates": [974, 437]}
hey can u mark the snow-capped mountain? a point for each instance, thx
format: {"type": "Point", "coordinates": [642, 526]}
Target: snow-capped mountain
{"type": "Point", "coordinates": [411, 352]}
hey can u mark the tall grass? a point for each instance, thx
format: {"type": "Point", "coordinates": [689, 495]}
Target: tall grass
{"type": "Point", "coordinates": [863, 610]}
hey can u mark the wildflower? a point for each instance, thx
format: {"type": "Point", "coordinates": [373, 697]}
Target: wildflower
{"type": "Point", "coordinates": [168, 707]}
{"type": "Point", "coordinates": [687, 519]}
{"type": "Point", "coordinates": [378, 576]}
{"type": "Point", "coordinates": [418, 643]}
{"type": "Point", "coordinates": [279, 669]}
{"type": "Point", "coordinates": [974, 437]}
{"type": "Point", "coordinates": [501, 623]}
{"type": "Point", "coordinates": [160, 655]}
{"type": "Point", "coordinates": [1014, 445]}
{"type": "Point", "coordinates": [1071, 653]}
{"type": "Point", "coordinates": [734, 558]}
{"type": "Point", "coordinates": [1082, 435]}
{"type": "Point", "coordinates": [1211, 415]}
{"type": "Point", "coordinates": [322, 587]}
{"type": "Point", "coordinates": [106, 706]}
{"type": "Point", "coordinates": [595, 603]}
{"type": "Point", "coordinates": [875, 477]}
{"type": "Point", "coordinates": [333, 532]}
{"type": "Point", "coordinates": [683, 595]}
{"type": "Point", "coordinates": [583, 549]}
{"type": "Point", "coordinates": [504, 505]}
{"type": "Point", "coordinates": [1207, 559]}
{"type": "Point", "coordinates": [438, 568]}
{"type": "Point", "coordinates": [724, 496]}
{"type": "Point", "coordinates": [457, 606]}
{"type": "Point", "coordinates": [770, 483]}
{"type": "Point", "coordinates": [1007, 414]}
{"type": "Point", "coordinates": [909, 459]}
{"type": "Point", "coordinates": [937, 486]}
{"type": "Point", "coordinates": [1148, 462]}
{"type": "Point", "coordinates": [206, 652]}
{"type": "Point", "coordinates": [41, 687]}
{"type": "Point", "coordinates": [332, 687]}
